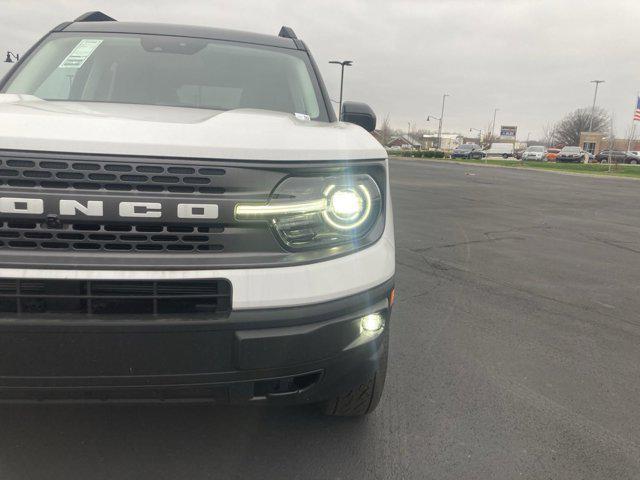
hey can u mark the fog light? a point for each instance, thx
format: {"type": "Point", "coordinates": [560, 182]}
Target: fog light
{"type": "Point", "coordinates": [372, 323]}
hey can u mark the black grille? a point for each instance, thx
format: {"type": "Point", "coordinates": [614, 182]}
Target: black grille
{"type": "Point", "coordinates": [21, 234]}
{"type": "Point", "coordinates": [63, 174]}
{"type": "Point", "coordinates": [121, 297]}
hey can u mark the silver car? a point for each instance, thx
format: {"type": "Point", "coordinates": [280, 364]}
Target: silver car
{"type": "Point", "coordinates": [538, 153]}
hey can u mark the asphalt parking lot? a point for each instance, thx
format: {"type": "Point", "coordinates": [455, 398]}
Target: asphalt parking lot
{"type": "Point", "coordinates": [515, 354]}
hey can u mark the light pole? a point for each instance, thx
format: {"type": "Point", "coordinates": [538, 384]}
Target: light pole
{"type": "Point", "coordinates": [479, 130]}
{"type": "Point", "coordinates": [493, 124]}
{"type": "Point", "coordinates": [593, 107]}
{"type": "Point", "coordinates": [11, 57]}
{"type": "Point", "coordinates": [440, 124]}
{"type": "Point", "coordinates": [429, 117]}
{"type": "Point", "coordinates": [343, 63]}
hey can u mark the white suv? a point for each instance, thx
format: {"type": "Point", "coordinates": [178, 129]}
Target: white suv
{"type": "Point", "coordinates": [535, 152]}
{"type": "Point", "coordinates": [183, 218]}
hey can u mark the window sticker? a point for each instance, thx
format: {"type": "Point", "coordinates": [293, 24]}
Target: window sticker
{"type": "Point", "coordinates": [80, 53]}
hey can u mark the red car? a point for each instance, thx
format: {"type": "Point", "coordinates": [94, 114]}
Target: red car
{"type": "Point", "coordinates": [552, 154]}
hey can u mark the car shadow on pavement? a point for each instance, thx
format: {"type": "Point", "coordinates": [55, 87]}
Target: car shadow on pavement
{"type": "Point", "coordinates": [171, 441]}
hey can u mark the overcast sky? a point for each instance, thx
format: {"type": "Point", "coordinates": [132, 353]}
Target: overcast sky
{"type": "Point", "coordinates": [531, 59]}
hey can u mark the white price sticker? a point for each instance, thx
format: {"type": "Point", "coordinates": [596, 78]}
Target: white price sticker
{"type": "Point", "coordinates": [80, 53]}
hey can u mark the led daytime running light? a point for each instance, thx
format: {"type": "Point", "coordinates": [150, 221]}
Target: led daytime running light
{"type": "Point", "coordinates": [246, 212]}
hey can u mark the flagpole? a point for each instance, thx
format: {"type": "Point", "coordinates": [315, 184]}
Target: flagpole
{"type": "Point", "coordinates": [633, 123]}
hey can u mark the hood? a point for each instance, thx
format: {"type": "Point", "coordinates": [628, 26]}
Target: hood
{"type": "Point", "coordinates": [30, 123]}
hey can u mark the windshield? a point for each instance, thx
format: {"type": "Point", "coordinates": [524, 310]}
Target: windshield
{"type": "Point", "coordinates": [535, 149]}
{"type": "Point", "coordinates": [466, 147]}
{"type": "Point", "coordinates": [571, 150]}
{"type": "Point", "coordinates": [172, 71]}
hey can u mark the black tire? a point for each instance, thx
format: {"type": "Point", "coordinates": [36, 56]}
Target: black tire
{"type": "Point", "coordinates": [604, 161]}
{"type": "Point", "coordinates": [362, 399]}
{"type": "Point", "coordinates": [504, 155]}
{"type": "Point", "coordinates": [633, 161]}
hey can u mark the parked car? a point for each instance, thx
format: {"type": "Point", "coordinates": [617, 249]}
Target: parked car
{"type": "Point", "coordinates": [190, 313]}
{"type": "Point", "coordinates": [467, 150]}
{"type": "Point", "coordinates": [617, 156]}
{"type": "Point", "coordinates": [537, 153]}
{"type": "Point", "coordinates": [552, 153]}
{"type": "Point", "coordinates": [571, 154]}
{"type": "Point", "coordinates": [504, 150]}
{"type": "Point", "coordinates": [633, 157]}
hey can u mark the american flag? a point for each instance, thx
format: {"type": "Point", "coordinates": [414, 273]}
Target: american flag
{"type": "Point", "coordinates": [636, 114]}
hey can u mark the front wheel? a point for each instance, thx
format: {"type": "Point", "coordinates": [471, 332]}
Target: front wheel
{"type": "Point", "coordinates": [504, 155]}
{"type": "Point", "coordinates": [362, 399]}
{"type": "Point", "coordinates": [633, 162]}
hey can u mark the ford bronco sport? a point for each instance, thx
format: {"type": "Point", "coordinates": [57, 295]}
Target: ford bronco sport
{"type": "Point", "coordinates": [183, 218]}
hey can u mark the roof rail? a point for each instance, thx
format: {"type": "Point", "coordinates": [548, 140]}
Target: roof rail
{"type": "Point", "coordinates": [94, 17]}
{"type": "Point", "coordinates": [287, 32]}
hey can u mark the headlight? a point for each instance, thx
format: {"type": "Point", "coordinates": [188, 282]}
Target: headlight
{"type": "Point", "coordinates": [315, 212]}
{"type": "Point", "coordinates": [347, 207]}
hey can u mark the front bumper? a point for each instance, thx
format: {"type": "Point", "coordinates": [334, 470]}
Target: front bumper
{"type": "Point", "coordinates": [281, 355]}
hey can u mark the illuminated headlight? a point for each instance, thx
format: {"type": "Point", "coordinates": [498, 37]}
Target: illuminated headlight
{"type": "Point", "coordinates": [372, 323]}
{"type": "Point", "coordinates": [346, 203]}
{"type": "Point", "coordinates": [347, 207]}
{"type": "Point", "coordinates": [315, 212]}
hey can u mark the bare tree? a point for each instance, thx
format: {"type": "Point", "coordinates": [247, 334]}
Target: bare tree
{"type": "Point", "coordinates": [568, 129]}
{"type": "Point", "coordinates": [488, 137]}
{"type": "Point", "coordinates": [630, 135]}
{"type": "Point", "coordinates": [386, 132]}
{"type": "Point", "coordinates": [611, 138]}
{"type": "Point", "coordinates": [549, 134]}
{"type": "Point", "coordinates": [418, 135]}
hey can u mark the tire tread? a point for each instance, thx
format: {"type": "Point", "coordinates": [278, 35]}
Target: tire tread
{"type": "Point", "coordinates": [362, 399]}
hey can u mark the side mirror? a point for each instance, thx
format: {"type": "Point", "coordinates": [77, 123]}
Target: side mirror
{"type": "Point", "coordinates": [360, 114]}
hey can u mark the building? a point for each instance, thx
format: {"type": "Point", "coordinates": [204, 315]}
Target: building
{"type": "Point", "coordinates": [595, 142]}
{"type": "Point", "coordinates": [401, 141]}
{"type": "Point", "coordinates": [474, 140]}
{"type": "Point", "coordinates": [448, 141]}
{"type": "Point", "coordinates": [379, 136]}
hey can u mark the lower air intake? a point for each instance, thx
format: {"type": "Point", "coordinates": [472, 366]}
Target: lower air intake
{"type": "Point", "coordinates": [114, 298]}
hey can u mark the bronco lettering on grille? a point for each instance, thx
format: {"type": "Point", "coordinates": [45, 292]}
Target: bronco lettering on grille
{"type": "Point", "coordinates": [95, 208]}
